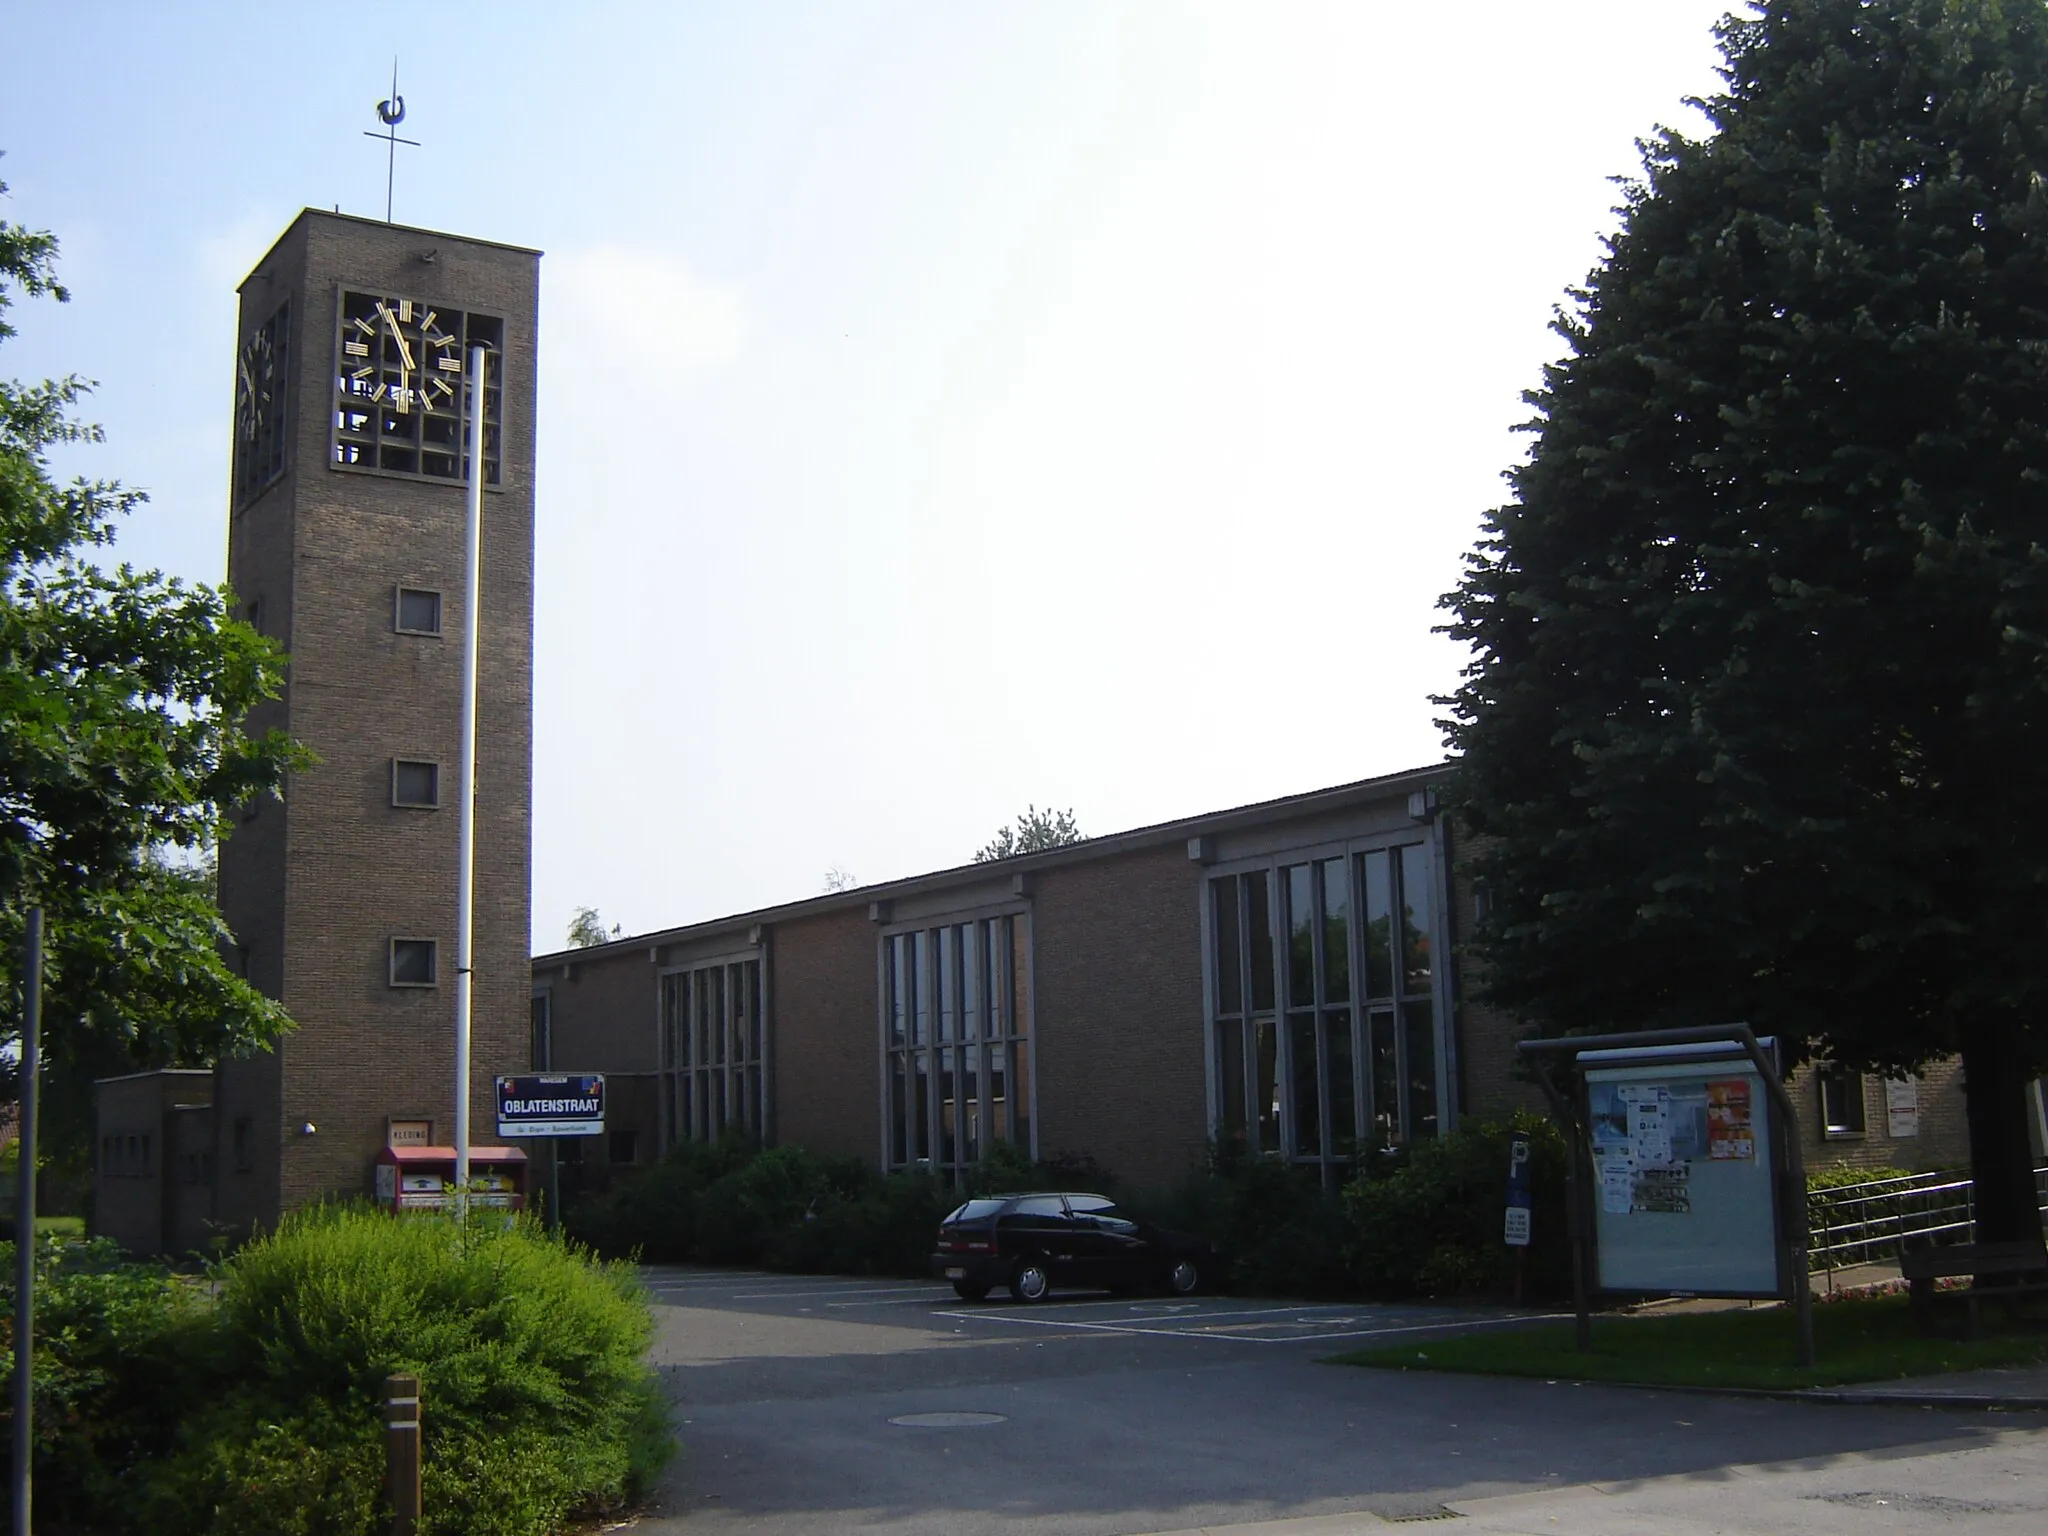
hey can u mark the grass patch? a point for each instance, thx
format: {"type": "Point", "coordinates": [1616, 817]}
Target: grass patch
{"type": "Point", "coordinates": [1854, 1340]}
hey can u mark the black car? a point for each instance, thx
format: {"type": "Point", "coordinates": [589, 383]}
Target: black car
{"type": "Point", "coordinates": [1034, 1242]}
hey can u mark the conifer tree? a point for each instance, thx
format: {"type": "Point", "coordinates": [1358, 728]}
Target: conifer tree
{"type": "Point", "coordinates": [1757, 724]}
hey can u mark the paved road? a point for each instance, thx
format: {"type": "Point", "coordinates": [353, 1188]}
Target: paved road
{"type": "Point", "coordinates": [1096, 1417]}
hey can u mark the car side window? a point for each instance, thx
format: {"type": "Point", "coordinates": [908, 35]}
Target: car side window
{"type": "Point", "coordinates": [1040, 1207]}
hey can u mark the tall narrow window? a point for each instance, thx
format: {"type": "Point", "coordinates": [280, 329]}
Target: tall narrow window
{"type": "Point", "coordinates": [956, 1016]}
{"type": "Point", "coordinates": [1227, 945]}
{"type": "Point", "coordinates": [713, 1042]}
{"type": "Point", "coordinates": [540, 1045]}
{"type": "Point", "coordinates": [1324, 1020]}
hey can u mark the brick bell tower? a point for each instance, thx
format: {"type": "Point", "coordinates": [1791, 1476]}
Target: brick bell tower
{"type": "Point", "coordinates": [345, 544]}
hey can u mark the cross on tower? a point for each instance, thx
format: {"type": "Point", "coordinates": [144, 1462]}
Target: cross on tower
{"type": "Point", "coordinates": [391, 112]}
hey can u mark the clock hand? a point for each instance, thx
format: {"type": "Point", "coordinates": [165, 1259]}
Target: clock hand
{"type": "Point", "coordinates": [404, 352]}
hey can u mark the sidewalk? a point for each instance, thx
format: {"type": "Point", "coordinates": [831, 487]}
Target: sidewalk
{"type": "Point", "coordinates": [1851, 1277]}
{"type": "Point", "coordinates": [1999, 1387]}
{"type": "Point", "coordinates": [1997, 1486]}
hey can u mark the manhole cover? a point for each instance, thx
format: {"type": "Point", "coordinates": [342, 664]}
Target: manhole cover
{"type": "Point", "coordinates": [947, 1420]}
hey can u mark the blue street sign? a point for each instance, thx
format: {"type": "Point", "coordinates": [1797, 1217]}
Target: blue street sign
{"type": "Point", "coordinates": [560, 1104]}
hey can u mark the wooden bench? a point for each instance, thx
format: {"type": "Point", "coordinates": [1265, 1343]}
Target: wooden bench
{"type": "Point", "coordinates": [2017, 1270]}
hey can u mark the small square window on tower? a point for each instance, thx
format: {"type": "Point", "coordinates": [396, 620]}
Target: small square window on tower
{"type": "Point", "coordinates": [419, 611]}
{"type": "Point", "coordinates": [414, 962]}
{"type": "Point", "coordinates": [415, 784]}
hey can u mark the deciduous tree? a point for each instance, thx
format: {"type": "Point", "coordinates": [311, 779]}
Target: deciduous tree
{"type": "Point", "coordinates": [124, 699]}
{"type": "Point", "coordinates": [587, 929]}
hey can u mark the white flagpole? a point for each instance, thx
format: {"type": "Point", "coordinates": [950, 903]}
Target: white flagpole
{"type": "Point", "coordinates": [465, 855]}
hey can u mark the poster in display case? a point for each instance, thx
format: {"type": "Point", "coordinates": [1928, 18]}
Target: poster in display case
{"type": "Point", "coordinates": [1683, 1163]}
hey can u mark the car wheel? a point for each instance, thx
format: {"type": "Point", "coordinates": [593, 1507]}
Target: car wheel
{"type": "Point", "coordinates": [968, 1292]}
{"type": "Point", "coordinates": [1029, 1281]}
{"type": "Point", "coordinates": [1184, 1278]}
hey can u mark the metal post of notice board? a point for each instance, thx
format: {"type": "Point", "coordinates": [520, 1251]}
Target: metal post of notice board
{"type": "Point", "coordinates": [1575, 1055]}
{"type": "Point", "coordinates": [1565, 1108]}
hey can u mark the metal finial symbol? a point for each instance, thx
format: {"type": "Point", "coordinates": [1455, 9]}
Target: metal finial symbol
{"type": "Point", "coordinates": [391, 112]}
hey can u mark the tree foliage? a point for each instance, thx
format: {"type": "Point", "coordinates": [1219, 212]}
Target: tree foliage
{"type": "Point", "coordinates": [1755, 724]}
{"type": "Point", "coordinates": [587, 929]}
{"type": "Point", "coordinates": [124, 697]}
{"type": "Point", "coordinates": [1035, 830]}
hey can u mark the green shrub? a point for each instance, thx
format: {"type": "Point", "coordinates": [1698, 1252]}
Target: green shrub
{"type": "Point", "coordinates": [243, 1473]}
{"type": "Point", "coordinates": [257, 1409]}
{"type": "Point", "coordinates": [1278, 1231]}
{"type": "Point", "coordinates": [884, 1227]}
{"type": "Point", "coordinates": [1431, 1223]}
{"type": "Point", "coordinates": [786, 1208]}
{"type": "Point", "coordinates": [529, 1355]}
{"type": "Point", "coordinates": [655, 1214]}
{"type": "Point", "coordinates": [121, 1352]}
{"type": "Point", "coordinates": [1833, 1223]}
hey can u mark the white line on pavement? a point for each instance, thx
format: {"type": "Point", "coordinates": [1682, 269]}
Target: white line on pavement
{"type": "Point", "coordinates": [1195, 1331]}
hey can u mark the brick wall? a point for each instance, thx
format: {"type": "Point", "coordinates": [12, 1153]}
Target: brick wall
{"type": "Point", "coordinates": [604, 1012]}
{"type": "Point", "coordinates": [148, 1129]}
{"type": "Point", "coordinates": [824, 1032]}
{"type": "Point", "coordinates": [319, 886]}
{"type": "Point", "coordinates": [1118, 961]}
{"type": "Point", "coordinates": [1944, 1135]}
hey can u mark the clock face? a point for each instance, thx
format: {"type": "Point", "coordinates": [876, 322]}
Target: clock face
{"type": "Point", "coordinates": [260, 397]}
{"type": "Point", "coordinates": [402, 395]}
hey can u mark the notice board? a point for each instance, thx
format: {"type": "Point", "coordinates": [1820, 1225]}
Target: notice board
{"type": "Point", "coordinates": [1684, 1176]}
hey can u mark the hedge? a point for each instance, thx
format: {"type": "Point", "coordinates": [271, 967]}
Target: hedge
{"type": "Point", "coordinates": [250, 1403]}
{"type": "Point", "coordinates": [1424, 1221]}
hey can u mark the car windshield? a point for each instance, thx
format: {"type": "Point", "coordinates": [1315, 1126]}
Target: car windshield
{"type": "Point", "coordinates": [975, 1210]}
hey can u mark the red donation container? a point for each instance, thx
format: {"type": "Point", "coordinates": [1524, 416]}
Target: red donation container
{"type": "Point", "coordinates": [420, 1178]}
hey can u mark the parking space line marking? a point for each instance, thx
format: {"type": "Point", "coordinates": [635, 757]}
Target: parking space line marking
{"type": "Point", "coordinates": [1306, 1336]}
{"type": "Point", "coordinates": [890, 1290]}
{"type": "Point", "coordinates": [1178, 1317]}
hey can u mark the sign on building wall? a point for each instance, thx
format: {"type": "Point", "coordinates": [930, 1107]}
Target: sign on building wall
{"type": "Point", "coordinates": [1902, 1107]}
{"type": "Point", "coordinates": [551, 1105]}
{"type": "Point", "coordinates": [408, 1133]}
{"type": "Point", "coordinates": [1683, 1159]}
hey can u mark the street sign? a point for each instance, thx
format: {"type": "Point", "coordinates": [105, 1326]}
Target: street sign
{"type": "Point", "coordinates": [551, 1105]}
{"type": "Point", "coordinates": [1520, 1200]}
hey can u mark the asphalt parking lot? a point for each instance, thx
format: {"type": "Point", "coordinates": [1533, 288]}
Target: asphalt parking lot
{"type": "Point", "coordinates": [811, 1405]}
{"type": "Point", "coordinates": [1196, 1317]}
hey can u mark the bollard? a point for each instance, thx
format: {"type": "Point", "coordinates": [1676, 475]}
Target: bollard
{"type": "Point", "coordinates": [402, 1452]}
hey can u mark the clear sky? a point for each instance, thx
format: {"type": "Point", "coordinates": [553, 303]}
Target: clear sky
{"type": "Point", "coordinates": [944, 406]}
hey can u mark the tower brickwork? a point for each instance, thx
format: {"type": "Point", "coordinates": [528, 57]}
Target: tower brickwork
{"type": "Point", "coordinates": [347, 512]}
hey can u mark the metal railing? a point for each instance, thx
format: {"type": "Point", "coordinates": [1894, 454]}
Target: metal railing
{"type": "Point", "coordinates": [1870, 1222]}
